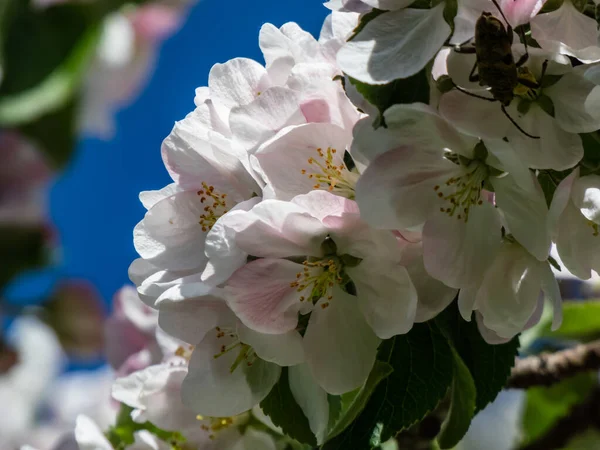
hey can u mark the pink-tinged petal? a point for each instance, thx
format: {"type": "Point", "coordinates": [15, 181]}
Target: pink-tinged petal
{"type": "Point", "coordinates": [520, 12]}
{"type": "Point", "coordinates": [458, 253]}
{"type": "Point", "coordinates": [155, 22]}
{"type": "Point", "coordinates": [567, 31]}
{"type": "Point", "coordinates": [286, 158]}
{"type": "Point", "coordinates": [275, 228]}
{"type": "Point", "coordinates": [395, 45]}
{"type": "Point", "coordinates": [323, 204]}
{"type": "Point", "coordinates": [237, 82]}
{"type": "Point", "coordinates": [254, 123]}
{"type": "Point", "coordinates": [211, 388]}
{"type": "Point", "coordinates": [525, 212]}
{"type": "Point", "coordinates": [282, 349]}
{"type": "Point", "coordinates": [170, 234]}
{"type": "Point", "coordinates": [397, 190]}
{"type": "Point", "coordinates": [340, 346]}
{"type": "Point", "coordinates": [189, 311]}
{"type": "Point", "coordinates": [261, 295]}
{"type": "Point", "coordinates": [386, 296]}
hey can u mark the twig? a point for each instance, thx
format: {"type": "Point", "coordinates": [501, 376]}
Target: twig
{"type": "Point", "coordinates": [549, 368]}
{"type": "Point", "coordinates": [580, 418]}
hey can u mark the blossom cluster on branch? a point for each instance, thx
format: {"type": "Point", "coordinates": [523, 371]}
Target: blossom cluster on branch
{"type": "Point", "coordinates": [328, 207]}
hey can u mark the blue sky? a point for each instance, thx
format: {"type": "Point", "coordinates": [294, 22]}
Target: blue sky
{"type": "Point", "coordinates": [94, 204]}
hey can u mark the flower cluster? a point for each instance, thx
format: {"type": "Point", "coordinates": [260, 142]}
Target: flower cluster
{"type": "Point", "coordinates": [309, 220]}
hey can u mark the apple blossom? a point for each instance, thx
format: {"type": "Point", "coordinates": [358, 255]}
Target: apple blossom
{"type": "Point", "coordinates": [336, 247]}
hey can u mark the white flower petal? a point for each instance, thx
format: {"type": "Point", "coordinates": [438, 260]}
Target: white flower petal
{"type": "Point", "coordinates": [237, 82]}
{"type": "Point", "coordinates": [395, 45]}
{"type": "Point", "coordinates": [311, 398]}
{"type": "Point", "coordinates": [274, 109]}
{"type": "Point", "coordinates": [212, 389]}
{"type": "Point", "coordinates": [284, 157]}
{"type": "Point", "coordinates": [567, 31]}
{"type": "Point", "coordinates": [458, 253]}
{"type": "Point", "coordinates": [89, 436]}
{"type": "Point", "coordinates": [282, 349]}
{"type": "Point", "coordinates": [576, 102]}
{"type": "Point", "coordinates": [340, 346]}
{"type": "Point", "coordinates": [396, 191]}
{"type": "Point", "coordinates": [170, 235]}
{"type": "Point", "coordinates": [386, 296]}
{"type": "Point", "coordinates": [585, 194]}
{"type": "Point", "coordinates": [525, 212]}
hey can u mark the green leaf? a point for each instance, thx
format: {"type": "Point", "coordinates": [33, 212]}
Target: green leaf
{"type": "Point", "coordinates": [285, 412]}
{"type": "Point", "coordinates": [580, 319]}
{"type": "Point", "coordinates": [422, 364]}
{"type": "Point", "coordinates": [591, 153]}
{"type": "Point", "coordinates": [545, 405]}
{"type": "Point", "coordinates": [406, 90]}
{"type": "Point", "coordinates": [335, 409]}
{"type": "Point", "coordinates": [55, 133]}
{"type": "Point", "coordinates": [380, 371]}
{"type": "Point", "coordinates": [462, 405]}
{"type": "Point", "coordinates": [55, 90]}
{"type": "Point", "coordinates": [490, 365]}
{"type": "Point", "coordinates": [21, 248]}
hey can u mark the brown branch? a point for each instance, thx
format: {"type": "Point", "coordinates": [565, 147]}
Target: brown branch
{"type": "Point", "coordinates": [580, 418]}
{"type": "Point", "coordinates": [549, 368]}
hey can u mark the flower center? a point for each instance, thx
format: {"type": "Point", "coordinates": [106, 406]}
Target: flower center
{"type": "Point", "coordinates": [320, 277]}
{"type": "Point", "coordinates": [212, 425]}
{"type": "Point", "coordinates": [246, 353]}
{"type": "Point", "coordinates": [215, 206]}
{"type": "Point", "coordinates": [328, 175]}
{"type": "Point", "coordinates": [463, 191]}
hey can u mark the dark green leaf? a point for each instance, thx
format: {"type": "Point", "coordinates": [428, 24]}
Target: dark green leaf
{"type": "Point", "coordinates": [380, 371]}
{"type": "Point", "coordinates": [490, 365]}
{"type": "Point", "coordinates": [335, 409]}
{"type": "Point", "coordinates": [364, 20]}
{"type": "Point", "coordinates": [285, 412]}
{"type": "Point", "coordinates": [406, 90]}
{"type": "Point", "coordinates": [55, 90]}
{"type": "Point", "coordinates": [55, 133]}
{"type": "Point", "coordinates": [591, 153]}
{"type": "Point", "coordinates": [545, 405]}
{"type": "Point", "coordinates": [422, 364]}
{"type": "Point", "coordinates": [21, 248]}
{"type": "Point", "coordinates": [462, 405]}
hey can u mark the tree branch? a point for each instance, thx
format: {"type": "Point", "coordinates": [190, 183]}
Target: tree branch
{"type": "Point", "coordinates": [580, 418]}
{"type": "Point", "coordinates": [549, 368]}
